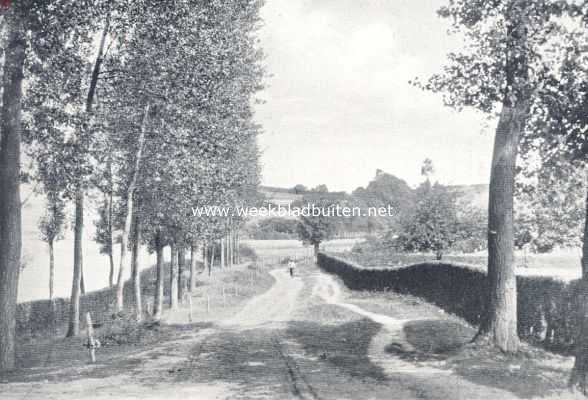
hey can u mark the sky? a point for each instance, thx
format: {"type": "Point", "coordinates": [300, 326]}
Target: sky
{"type": "Point", "coordinates": [338, 104]}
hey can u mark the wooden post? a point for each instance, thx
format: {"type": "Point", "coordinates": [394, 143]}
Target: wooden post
{"type": "Point", "coordinates": [91, 343]}
{"type": "Point", "coordinates": [207, 303]}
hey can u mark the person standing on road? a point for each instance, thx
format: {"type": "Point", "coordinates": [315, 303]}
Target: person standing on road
{"type": "Point", "coordinates": [291, 266]}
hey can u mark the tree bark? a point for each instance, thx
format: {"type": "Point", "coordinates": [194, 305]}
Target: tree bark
{"type": "Point", "coordinates": [211, 263]}
{"type": "Point", "coordinates": [110, 238]}
{"type": "Point", "coordinates": [10, 205]}
{"type": "Point", "coordinates": [579, 375]}
{"type": "Point", "coordinates": [230, 251]}
{"type": "Point", "coordinates": [192, 282]}
{"type": "Point", "coordinates": [82, 283]}
{"type": "Point", "coordinates": [500, 323]}
{"type": "Point", "coordinates": [222, 252]}
{"type": "Point", "coordinates": [74, 304]}
{"type": "Point", "coordinates": [237, 249]}
{"type": "Point", "coordinates": [51, 270]}
{"type": "Point", "coordinates": [173, 274]}
{"type": "Point", "coordinates": [181, 267]}
{"type": "Point", "coordinates": [129, 216]}
{"type": "Point", "coordinates": [158, 306]}
{"type": "Point", "coordinates": [205, 257]}
{"type": "Point", "coordinates": [136, 273]}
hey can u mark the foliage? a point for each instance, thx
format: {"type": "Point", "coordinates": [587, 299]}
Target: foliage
{"type": "Point", "coordinates": [383, 191]}
{"type": "Point", "coordinates": [273, 228]}
{"type": "Point", "coordinates": [315, 229]}
{"type": "Point", "coordinates": [52, 223]}
{"type": "Point", "coordinates": [433, 225]}
{"type": "Point", "coordinates": [550, 206]}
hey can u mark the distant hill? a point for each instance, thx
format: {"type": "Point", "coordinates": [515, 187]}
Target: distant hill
{"type": "Point", "coordinates": [475, 195]}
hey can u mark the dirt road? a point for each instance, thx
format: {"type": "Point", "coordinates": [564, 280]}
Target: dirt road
{"type": "Point", "coordinates": [302, 339]}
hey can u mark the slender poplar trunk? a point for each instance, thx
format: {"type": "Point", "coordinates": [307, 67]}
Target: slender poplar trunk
{"type": "Point", "coordinates": [82, 283]}
{"type": "Point", "coordinates": [222, 252]}
{"type": "Point", "coordinates": [158, 306]}
{"type": "Point", "coordinates": [205, 257]}
{"type": "Point", "coordinates": [51, 270]}
{"type": "Point", "coordinates": [74, 304]}
{"type": "Point", "coordinates": [173, 274]}
{"type": "Point", "coordinates": [110, 236]}
{"type": "Point", "coordinates": [211, 263]}
{"type": "Point", "coordinates": [192, 282]}
{"type": "Point", "coordinates": [129, 216]}
{"type": "Point", "coordinates": [136, 273]}
{"type": "Point", "coordinates": [181, 267]}
{"type": "Point", "coordinates": [237, 249]}
{"type": "Point", "coordinates": [74, 313]}
{"type": "Point", "coordinates": [230, 248]}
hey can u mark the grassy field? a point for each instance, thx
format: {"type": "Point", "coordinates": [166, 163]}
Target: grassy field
{"type": "Point", "coordinates": [278, 249]}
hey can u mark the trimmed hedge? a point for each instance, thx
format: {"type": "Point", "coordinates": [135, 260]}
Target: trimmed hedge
{"type": "Point", "coordinates": [547, 308]}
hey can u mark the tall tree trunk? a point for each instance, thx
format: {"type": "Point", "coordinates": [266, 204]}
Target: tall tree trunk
{"type": "Point", "coordinates": [211, 263]}
{"type": "Point", "coordinates": [111, 273]}
{"type": "Point", "coordinates": [110, 234]}
{"type": "Point", "coordinates": [222, 252]}
{"type": "Point", "coordinates": [579, 375]}
{"type": "Point", "coordinates": [205, 257]}
{"type": "Point", "coordinates": [181, 267]}
{"type": "Point", "coordinates": [235, 248]}
{"type": "Point", "coordinates": [51, 270]}
{"type": "Point", "coordinates": [136, 273]}
{"type": "Point", "coordinates": [238, 248]}
{"type": "Point", "coordinates": [129, 216]}
{"type": "Point", "coordinates": [230, 248]}
{"type": "Point", "coordinates": [74, 311]}
{"type": "Point", "coordinates": [158, 306]}
{"type": "Point", "coordinates": [316, 251]}
{"type": "Point", "coordinates": [192, 282]}
{"type": "Point", "coordinates": [10, 206]}
{"type": "Point", "coordinates": [74, 304]}
{"type": "Point", "coordinates": [500, 323]}
{"type": "Point", "coordinates": [173, 275]}
{"type": "Point", "coordinates": [82, 283]}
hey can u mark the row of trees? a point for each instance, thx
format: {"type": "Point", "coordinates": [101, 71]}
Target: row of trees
{"type": "Point", "coordinates": [525, 62]}
{"type": "Point", "coordinates": [147, 103]}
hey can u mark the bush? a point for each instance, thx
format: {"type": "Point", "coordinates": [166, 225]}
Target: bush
{"type": "Point", "coordinates": [547, 308]}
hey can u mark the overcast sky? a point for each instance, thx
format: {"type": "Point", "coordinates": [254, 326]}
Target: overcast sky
{"type": "Point", "coordinates": [338, 102]}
